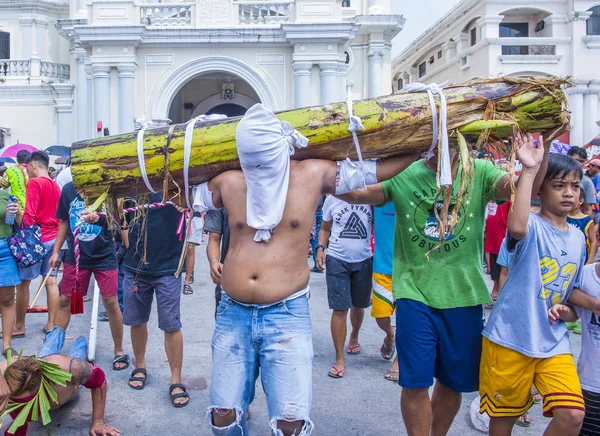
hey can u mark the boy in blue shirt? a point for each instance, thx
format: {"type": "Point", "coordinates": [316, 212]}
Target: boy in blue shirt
{"type": "Point", "coordinates": [520, 347]}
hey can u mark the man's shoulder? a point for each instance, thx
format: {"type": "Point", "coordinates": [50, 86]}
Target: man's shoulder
{"type": "Point", "coordinates": [312, 166]}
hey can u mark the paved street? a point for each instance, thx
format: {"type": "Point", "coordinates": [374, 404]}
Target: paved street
{"type": "Point", "coordinates": [362, 403]}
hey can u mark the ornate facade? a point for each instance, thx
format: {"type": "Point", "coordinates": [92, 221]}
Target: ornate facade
{"type": "Point", "coordinates": [76, 69]}
{"type": "Point", "coordinates": [481, 38]}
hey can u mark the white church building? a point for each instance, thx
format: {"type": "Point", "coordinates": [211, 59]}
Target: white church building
{"type": "Point", "coordinates": [70, 70]}
{"type": "Point", "coordinates": [482, 38]}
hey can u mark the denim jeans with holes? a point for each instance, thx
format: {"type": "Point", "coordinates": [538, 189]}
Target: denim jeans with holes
{"type": "Point", "coordinates": [276, 337]}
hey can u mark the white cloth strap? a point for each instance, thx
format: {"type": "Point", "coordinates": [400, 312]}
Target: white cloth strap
{"type": "Point", "coordinates": [350, 176]}
{"type": "Point", "coordinates": [187, 149]}
{"type": "Point", "coordinates": [293, 137]}
{"type": "Point", "coordinates": [445, 173]}
{"type": "Point", "coordinates": [355, 125]}
{"type": "Point", "coordinates": [203, 201]}
{"type": "Point", "coordinates": [140, 154]}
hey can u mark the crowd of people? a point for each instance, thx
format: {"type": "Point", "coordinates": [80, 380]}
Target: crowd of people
{"type": "Point", "coordinates": [428, 274]}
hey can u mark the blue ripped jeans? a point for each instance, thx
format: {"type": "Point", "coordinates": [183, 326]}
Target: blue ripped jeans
{"type": "Point", "coordinates": [278, 339]}
{"type": "Point", "coordinates": [55, 339]}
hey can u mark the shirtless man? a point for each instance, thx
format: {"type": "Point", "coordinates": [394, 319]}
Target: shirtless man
{"type": "Point", "coordinates": [24, 377]}
{"type": "Point", "coordinates": [263, 316]}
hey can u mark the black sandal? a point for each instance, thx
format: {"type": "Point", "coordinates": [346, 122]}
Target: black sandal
{"type": "Point", "coordinates": [123, 358]}
{"type": "Point", "coordinates": [184, 394]}
{"type": "Point", "coordinates": [187, 290]}
{"type": "Point", "coordinates": [138, 379]}
{"type": "Point", "coordinates": [13, 352]}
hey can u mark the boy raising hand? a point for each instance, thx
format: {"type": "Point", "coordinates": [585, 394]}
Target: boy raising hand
{"type": "Point", "coordinates": [520, 346]}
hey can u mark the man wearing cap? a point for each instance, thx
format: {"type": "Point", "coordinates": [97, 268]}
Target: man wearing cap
{"type": "Point", "coordinates": [263, 316]}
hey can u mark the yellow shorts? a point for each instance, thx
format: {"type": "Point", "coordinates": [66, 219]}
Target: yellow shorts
{"type": "Point", "coordinates": [506, 376]}
{"type": "Point", "coordinates": [383, 299]}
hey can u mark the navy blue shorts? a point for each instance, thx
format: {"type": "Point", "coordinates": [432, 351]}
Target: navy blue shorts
{"type": "Point", "coordinates": [440, 343]}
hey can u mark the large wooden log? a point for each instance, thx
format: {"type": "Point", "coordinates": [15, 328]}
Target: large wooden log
{"type": "Point", "coordinates": [395, 124]}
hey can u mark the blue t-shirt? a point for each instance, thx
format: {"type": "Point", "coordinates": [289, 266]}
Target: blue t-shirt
{"type": "Point", "coordinates": [385, 223]}
{"type": "Point", "coordinates": [504, 256]}
{"type": "Point", "coordinates": [546, 264]}
{"type": "Point", "coordinates": [596, 181]}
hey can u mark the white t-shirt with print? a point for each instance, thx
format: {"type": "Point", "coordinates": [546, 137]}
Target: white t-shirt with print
{"type": "Point", "coordinates": [588, 365]}
{"type": "Point", "coordinates": [350, 238]}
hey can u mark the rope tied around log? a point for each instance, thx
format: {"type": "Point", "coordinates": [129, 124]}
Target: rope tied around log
{"type": "Point", "coordinates": [440, 135]}
{"type": "Point", "coordinates": [187, 149]}
{"type": "Point", "coordinates": [354, 126]}
{"type": "Point", "coordinates": [140, 154]}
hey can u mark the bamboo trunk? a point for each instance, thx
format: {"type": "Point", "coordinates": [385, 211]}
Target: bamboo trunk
{"type": "Point", "coordinates": [396, 124]}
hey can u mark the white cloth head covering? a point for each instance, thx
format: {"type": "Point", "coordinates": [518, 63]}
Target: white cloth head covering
{"type": "Point", "coordinates": [264, 147]}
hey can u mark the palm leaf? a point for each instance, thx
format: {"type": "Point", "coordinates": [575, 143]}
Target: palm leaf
{"type": "Point", "coordinates": [49, 391]}
{"type": "Point", "coordinates": [21, 418]}
{"type": "Point", "coordinates": [35, 410]}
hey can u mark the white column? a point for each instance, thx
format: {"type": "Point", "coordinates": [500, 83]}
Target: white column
{"type": "Point", "coordinates": [342, 81]}
{"type": "Point", "coordinates": [449, 48]}
{"type": "Point", "coordinates": [590, 109]}
{"type": "Point", "coordinates": [378, 7]}
{"type": "Point", "coordinates": [89, 130]}
{"type": "Point", "coordinates": [27, 37]}
{"type": "Point", "coordinates": [489, 26]}
{"type": "Point", "coordinates": [80, 9]}
{"type": "Point", "coordinates": [64, 112]}
{"type": "Point", "coordinates": [101, 75]}
{"type": "Point", "coordinates": [302, 72]}
{"type": "Point", "coordinates": [41, 37]}
{"type": "Point", "coordinates": [82, 124]}
{"type": "Point", "coordinates": [375, 55]}
{"type": "Point", "coordinates": [577, 115]}
{"type": "Point", "coordinates": [329, 87]}
{"type": "Point", "coordinates": [126, 97]}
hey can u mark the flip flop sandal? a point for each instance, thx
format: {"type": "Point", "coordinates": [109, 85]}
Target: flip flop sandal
{"type": "Point", "coordinates": [393, 376]}
{"type": "Point", "coordinates": [13, 352]}
{"type": "Point", "coordinates": [124, 358]}
{"type": "Point", "coordinates": [187, 290]}
{"type": "Point", "coordinates": [387, 353]}
{"type": "Point", "coordinates": [184, 394]}
{"type": "Point", "coordinates": [14, 336]}
{"type": "Point", "coordinates": [337, 372]}
{"type": "Point", "coordinates": [537, 398]}
{"type": "Point", "coordinates": [353, 349]}
{"type": "Point", "coordinates": [138, 379]}
{"type": "Point", "coordinates": [523, 421]}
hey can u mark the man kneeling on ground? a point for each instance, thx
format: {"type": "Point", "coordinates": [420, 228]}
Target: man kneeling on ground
{"type": "Point", "coordinates": [24, 378]}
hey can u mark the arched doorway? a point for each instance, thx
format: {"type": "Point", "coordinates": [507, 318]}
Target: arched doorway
{"type": "Point", "coordinates": [213, 69]}
{"type": "Point", "coordinates": [229, 109]}
{"type": "Point", "coordinates": [213, 93]}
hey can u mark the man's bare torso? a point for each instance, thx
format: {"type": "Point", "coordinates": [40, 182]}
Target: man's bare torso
{"type": "Point", "coordinates": [267, 272]}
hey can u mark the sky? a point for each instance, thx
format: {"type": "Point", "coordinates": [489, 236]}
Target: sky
{"type": "Point", "coordinates": [420, 15]}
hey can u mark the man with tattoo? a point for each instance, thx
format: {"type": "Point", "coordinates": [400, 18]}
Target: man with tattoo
{"type": "Point", "coordinates": [24, 378]}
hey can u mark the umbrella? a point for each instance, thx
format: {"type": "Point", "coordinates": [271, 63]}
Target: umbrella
{"type": "Point", "coordinates": [14, 149]}
{"type": "Point", "coordinates": [58, 150]}
{"type": "Point", "coordinates": [7, 160]}
{"type": "Point", "coordinates": [62, 160]}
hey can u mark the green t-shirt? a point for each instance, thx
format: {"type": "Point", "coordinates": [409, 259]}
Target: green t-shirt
{"type": "Point", "coordinates": [5, 229]}
{"type": "Point", "coordinates": [452, 276]}
{"type": "Point", "coordinates": [14, 178]}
